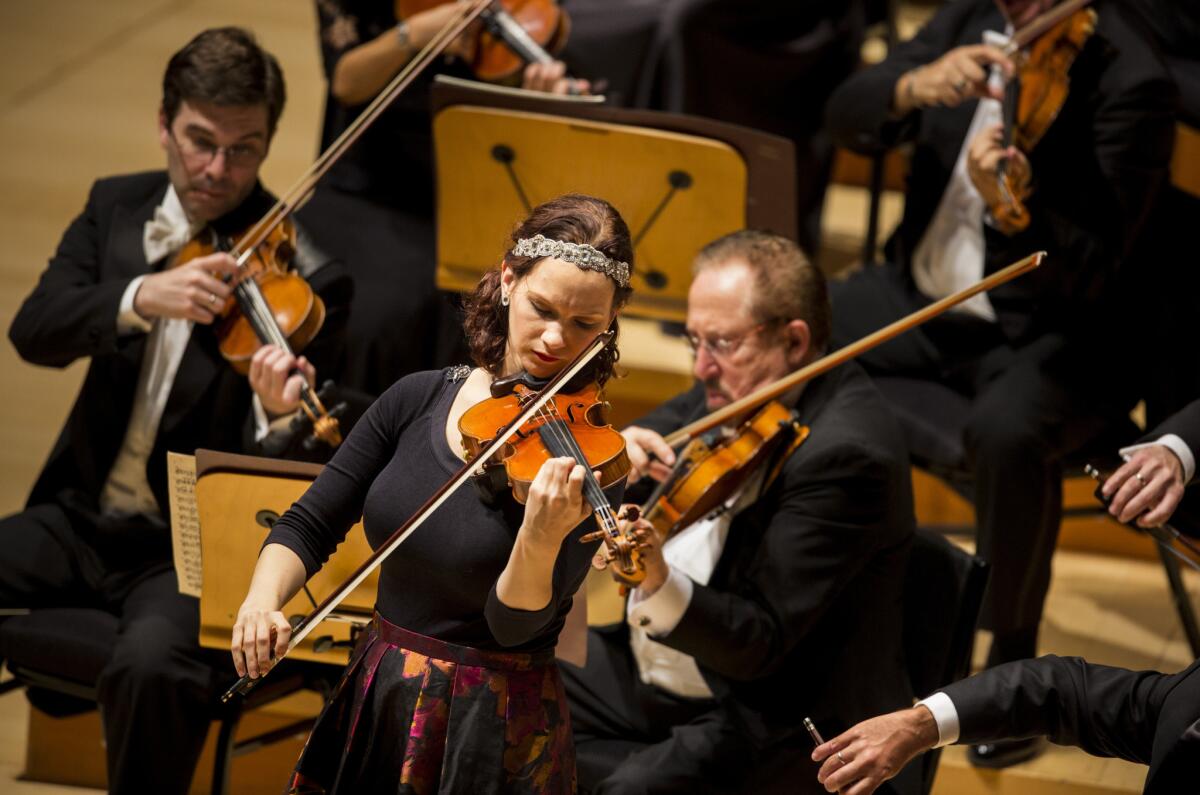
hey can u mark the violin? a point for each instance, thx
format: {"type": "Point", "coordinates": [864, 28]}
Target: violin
{"type": "Point", "coordinates": [572, 425]}
{"type": "Point", "coordinates": [705, 476]}
{"type": "Point", "coordinates": [1044, 50]}
{"type": "Point", "coordinates": [514, 33]}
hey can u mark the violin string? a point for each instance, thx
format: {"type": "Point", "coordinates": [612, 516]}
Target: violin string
{"type": "Point", "coordinates": [562, 439]}
{"type": "Point", "coordinates": [555, 425]}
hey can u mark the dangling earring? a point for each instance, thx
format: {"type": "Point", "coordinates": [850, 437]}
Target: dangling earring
{"type": "Point", "coordinates": [503, 299]}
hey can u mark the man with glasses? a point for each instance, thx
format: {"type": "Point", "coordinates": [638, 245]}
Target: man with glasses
{"type": "Point", "coordinates": [94, 531]}
{"type": "Point", "coordinates": [784, 602]}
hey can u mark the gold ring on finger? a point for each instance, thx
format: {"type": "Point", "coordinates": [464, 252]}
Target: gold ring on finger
{"type": "Point", "coordinates": [1140, 478]}
{"type": "Point", "coordinates": [841, 758]}
{"type": "Point", "coordinates": [212, 298]}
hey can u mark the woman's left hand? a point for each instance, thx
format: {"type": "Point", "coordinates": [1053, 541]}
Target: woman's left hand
{"type": "Point", "coordinates": [555, 505]}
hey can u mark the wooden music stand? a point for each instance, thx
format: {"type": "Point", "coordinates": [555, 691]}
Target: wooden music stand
{"type": "Point", "coordinates": [238, 497]}
{"type": "Point", "coordinates": [679, 181]}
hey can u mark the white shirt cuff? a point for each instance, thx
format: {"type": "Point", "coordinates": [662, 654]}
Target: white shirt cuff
{"type": "Point", "coordinates": [944, 715]}
{"type": "Point", "coordinates": [128, 320]}
{"type": "Point", "coordinates": [1175, 445]}
{"type": "Point", "coordinates": [660, 612]}
{"type": "Point", "coordinates": [262, 424]}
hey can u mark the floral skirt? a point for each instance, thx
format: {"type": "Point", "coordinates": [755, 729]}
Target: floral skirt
{"type": "Point", "coordinates": [416, 715]}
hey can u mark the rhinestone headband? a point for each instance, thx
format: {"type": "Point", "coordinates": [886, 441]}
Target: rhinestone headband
{"type": "Point", "coordinates": [583, 255]}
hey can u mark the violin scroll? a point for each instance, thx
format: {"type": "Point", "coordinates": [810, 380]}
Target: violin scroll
{"type": "Point", "coordinates": [622, 551]}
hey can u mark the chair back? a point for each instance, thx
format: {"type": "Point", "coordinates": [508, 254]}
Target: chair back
{"type": "Point", "coordinates": [58, 653]}
{"type": "Point", "coordinates": [943, 593]}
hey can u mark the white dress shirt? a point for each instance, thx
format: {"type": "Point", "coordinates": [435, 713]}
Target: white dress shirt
{"type": "Point", "coordinates": [126, 491]}
{"type": "Point", "coordinates": [692, 554]}
{"type": "Point", "coordinates": [950, 255]}
{"type": "Point", "coordinates": [945, 715]}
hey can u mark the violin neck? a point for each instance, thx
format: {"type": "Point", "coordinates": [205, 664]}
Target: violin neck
{"type": "Point", "coordinates": [501, 25]}
{"type": "Point", "coordinates": [557, 437]}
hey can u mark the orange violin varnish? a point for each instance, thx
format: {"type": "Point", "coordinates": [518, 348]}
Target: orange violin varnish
{"type": "Point", "coordinates": [709, 476]}
{"type": "Point", "coordinates": [492, 58]}
{"type": "Point", "coordinates": [297, 310]}
{"type": "Point", "coordinates": [585, 416]}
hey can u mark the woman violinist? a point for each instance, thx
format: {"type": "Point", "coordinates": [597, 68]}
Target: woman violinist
{"type": "Point", "coordinates": [455, 687]}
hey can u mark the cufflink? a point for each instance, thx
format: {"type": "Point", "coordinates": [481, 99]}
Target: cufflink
{"type": "Point", "coordinates": [644, 621]}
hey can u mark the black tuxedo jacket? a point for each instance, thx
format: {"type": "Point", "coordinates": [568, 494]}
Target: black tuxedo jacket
{"type": "Point", "coordinates": [802, 615]}
{"type": "Point", "coordinates": [1142, 716]}
{"type": "Point", "coordinates": [1184, 423]}
{"type": "Point", "coordinates": [1096, 171]}
{"type": "Point", "coordinates": [72, 313]}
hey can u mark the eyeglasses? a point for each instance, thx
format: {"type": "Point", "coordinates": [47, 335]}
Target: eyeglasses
{"type": "Point", "coordinates": [724, 347]}
{"type": "Point", "coordinates": [203, 151]}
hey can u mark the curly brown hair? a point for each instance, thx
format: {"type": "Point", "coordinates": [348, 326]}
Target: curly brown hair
{"type": "Point", "coordinates": [572, 218]}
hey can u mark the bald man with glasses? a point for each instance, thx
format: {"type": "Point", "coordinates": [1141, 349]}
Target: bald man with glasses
{"type": "Point", "coordinates": [784, 602]}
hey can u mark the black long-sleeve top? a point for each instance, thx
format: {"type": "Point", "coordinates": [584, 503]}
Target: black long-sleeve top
{"type": "Point", "coordinates": [441, 582]}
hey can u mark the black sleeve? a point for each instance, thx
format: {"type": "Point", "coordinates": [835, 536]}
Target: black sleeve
{"type": "Point", "coordinates": [1184, 423]}
{"type": "Point", "coordinates": [1130, 137]}
{"type": "Point", "coordinates": [72, 312]}
{"type": "Point", "coordinates": [827, 522]}
{"type": "Point", "coordinates": [339, 31]}
{"type": "Point", "coordinates": [513, 627]}
{"type": "Point", "coordinates": [320, 519]}
{"type": "Point", "coordinates": [1105, 711]}
{"type": "Point", "coordinates": [859, 112]}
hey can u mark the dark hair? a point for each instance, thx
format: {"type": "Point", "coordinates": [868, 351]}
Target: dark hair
{"type": "Point", "coordinates": [573, 218]}
{"type": "Point", "coordinates": [224, 66]}
{"type": "Point", "coordinates": [786, 284]}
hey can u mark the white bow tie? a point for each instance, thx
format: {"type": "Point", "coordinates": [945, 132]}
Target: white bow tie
{"type": "Point", "coordinates": [163, 235]}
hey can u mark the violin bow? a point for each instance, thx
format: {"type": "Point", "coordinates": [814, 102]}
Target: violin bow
{"type": "Point", "coordinates": [304, 186]}
{"type": "Point", "coordinates": [828, 362]}
{"type": "Point", "coordinates": [1040, 24]}
{"type": "Point", "coordinates": [255, 306]}
{"type": "Point", "coordinates": [310, 622]}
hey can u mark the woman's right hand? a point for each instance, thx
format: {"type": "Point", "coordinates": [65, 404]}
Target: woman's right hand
{"type": "Point", "coordinates": [649, 454]}
{"type": "Point", "coordinates": [260, 637]}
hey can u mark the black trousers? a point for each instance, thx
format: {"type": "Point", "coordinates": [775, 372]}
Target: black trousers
{"type": "Point", "coordinates": [631, 737]}
{"type": "Point", "coordinates": [158, 689]}
{"type": "Point", "coordinates": [1031, 405]}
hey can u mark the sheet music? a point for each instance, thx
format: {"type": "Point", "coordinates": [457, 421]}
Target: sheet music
{"type": "Point", "coordinates": [185, 522]}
